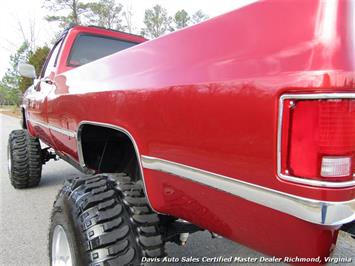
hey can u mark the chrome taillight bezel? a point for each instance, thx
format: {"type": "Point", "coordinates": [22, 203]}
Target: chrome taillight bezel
{"type": "Point", "coordinates": [300, 180]}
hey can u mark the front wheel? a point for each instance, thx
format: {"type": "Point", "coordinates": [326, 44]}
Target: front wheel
{"type": "Point", "coordinates": [24, 157]}
{"type": "Point", "coordinates": [103, 220]}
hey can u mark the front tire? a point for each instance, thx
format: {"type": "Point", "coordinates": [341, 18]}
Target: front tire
{"type": "Point", "coordinates": [107, 221]}
{"type": "Point", "coordinates": [24, 157]}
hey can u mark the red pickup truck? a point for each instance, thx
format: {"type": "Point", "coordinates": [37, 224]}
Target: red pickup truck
{"type": "Point", "coordinates": [243, 125]}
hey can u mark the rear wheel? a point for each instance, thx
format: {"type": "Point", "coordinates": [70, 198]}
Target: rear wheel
{"type": "Point", "coordinates": [106, 220]}
{"type": "Point", "coordinates": [24, 156]}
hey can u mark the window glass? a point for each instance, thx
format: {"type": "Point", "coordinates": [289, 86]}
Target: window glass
{"type": "Point", "coordinates": [52, 60]}
{"type": "Point", "coordinates": [88, 48]}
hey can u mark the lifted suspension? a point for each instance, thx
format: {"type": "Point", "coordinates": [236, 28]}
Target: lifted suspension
{"type": "Point", "coordinates": [178, 231]}
{"type": "Point", "coordinates": [48, 154]}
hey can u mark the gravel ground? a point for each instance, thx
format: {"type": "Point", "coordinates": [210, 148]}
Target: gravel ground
{"type": "Point", "coordinates": [24, 219]}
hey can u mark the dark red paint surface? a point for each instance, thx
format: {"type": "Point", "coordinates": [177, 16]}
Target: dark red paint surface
{"type": "Point", "coordinates": [207, 96]}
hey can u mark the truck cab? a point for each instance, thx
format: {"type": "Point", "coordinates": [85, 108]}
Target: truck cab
{"type": "Point", "coordinates": [75, 47]}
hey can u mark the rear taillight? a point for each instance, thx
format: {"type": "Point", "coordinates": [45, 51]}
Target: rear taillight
{"type": "Point", "coordinates": [318, 139]}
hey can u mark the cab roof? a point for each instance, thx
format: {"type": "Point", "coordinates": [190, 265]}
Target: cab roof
{"type": "Point", "coordinates": [105, 32]}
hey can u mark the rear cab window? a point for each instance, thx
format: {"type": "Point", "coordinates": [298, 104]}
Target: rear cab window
{"type": "Point", "coordinates": [89, 47]}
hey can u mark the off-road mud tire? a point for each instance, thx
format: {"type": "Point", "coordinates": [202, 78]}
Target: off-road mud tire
{"type": "Point", "coordinates": [107, 220]}
{"type": "Point", "coordinates": [24, 159]}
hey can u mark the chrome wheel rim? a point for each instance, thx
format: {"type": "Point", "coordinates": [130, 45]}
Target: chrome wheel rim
{"type": "Point", "coordinates": [9, 162]}
{"type": "Point", "coordinates": [61, 255]}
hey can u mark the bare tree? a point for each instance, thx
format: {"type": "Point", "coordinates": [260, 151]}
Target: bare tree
{"type": "Point", "coordinates": [127, 15]}
{"type": "Point", "coordinates": [29, 35]}
{"type": "Point", "coordinates": [28, 32]}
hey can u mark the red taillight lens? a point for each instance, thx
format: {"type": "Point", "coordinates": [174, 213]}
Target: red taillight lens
{"type": "Point", "coordinates": [318, 139]}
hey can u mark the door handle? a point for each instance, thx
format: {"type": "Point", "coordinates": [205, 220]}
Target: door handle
{"type": "Point", "coordinates": [48, 81]}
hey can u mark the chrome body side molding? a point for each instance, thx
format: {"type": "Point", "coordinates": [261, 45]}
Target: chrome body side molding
{"type": "Point", "coordinates": [66, 132]}
{"type": "Point", "coordinates": [311, 210]}
{"type": "Point", "coordinates": [314, 211]}
{"type": "Point", "coordinates": [295, 179]}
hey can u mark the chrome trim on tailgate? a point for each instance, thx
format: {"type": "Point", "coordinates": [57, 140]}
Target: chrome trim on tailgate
{"type": "Point", "coordinates": [314, 211]}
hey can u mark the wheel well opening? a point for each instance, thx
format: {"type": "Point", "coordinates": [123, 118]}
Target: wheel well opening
{"type": "Point", "coordinates": [107, 150]}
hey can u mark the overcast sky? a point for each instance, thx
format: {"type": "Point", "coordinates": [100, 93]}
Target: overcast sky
{"type": "Point", "coordinates": [15, 12]}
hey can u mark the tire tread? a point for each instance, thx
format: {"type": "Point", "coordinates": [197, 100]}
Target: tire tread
{"type": "Point", "coordinates": [26, 159]}
{"type": "Point", "coordinates": [116, 229]}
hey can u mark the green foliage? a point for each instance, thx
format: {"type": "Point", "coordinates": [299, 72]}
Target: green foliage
{"type": "Point", "coordinates": [9, 96]}
{"type": "Point", "coordinates": [105, 13]}
{"type": "Point", "coordinates": [37, 59]}
{"type": "Point", "coordinates": [76, 9]}
{"type": "Point", "coordinates": [181, 19]}
{"type": "Point", "coordinates": [109, 14]}
{"type": "Point", "coordinates": [14, 97]}
{"type": "Point", "coordinates": [65, 21]}
{"type": "Point", "coordinates": [12, 84]}
{"type": "Point", "coordinates": [198, 17]}
{"type": "Point", "coordinates": [3, 95]}
{"type": "Point", "coordinates": [10, 79]}
{"type": "Point", "coordinates": [9, 84]}
{"type": "Point", "coordinates": [156, 21]}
